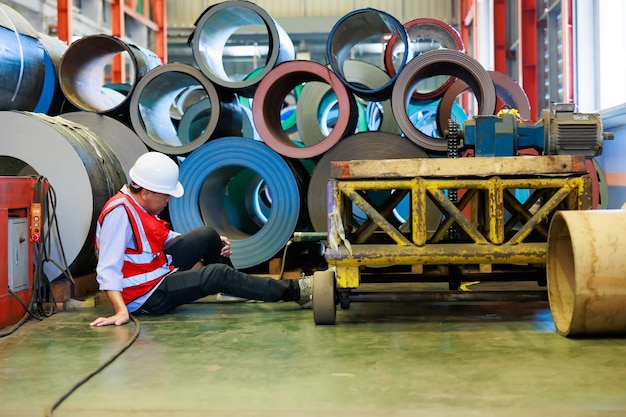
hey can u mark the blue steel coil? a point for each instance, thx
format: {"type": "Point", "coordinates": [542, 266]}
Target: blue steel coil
{"type": "Point", "coordinates": [206, 175]}
{"type": "Point", "coordinates": [52, 98]}
{"type": "Point", "coordinates": [22, 70]}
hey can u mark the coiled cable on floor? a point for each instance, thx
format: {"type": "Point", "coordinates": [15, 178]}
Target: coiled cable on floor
{"type": "Point", "coordinates": [89, 375]}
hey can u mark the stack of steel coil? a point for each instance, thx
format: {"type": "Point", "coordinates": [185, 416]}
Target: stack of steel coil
{"type": "Point", "coordinates": [254, 151]}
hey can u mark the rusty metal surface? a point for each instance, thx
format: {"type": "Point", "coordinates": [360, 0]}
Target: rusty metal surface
{"type": "Point", "coordinates": [494, 226]}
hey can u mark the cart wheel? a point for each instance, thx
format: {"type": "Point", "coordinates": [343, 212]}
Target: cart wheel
{"type": "Point", "coordinates": [324, 297]}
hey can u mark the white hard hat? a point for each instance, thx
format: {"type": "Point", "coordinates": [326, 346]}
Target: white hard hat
{"type": "Point", "coordinates": [156, 172]}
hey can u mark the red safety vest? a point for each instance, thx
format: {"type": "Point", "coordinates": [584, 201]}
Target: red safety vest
{"type": "Point", "coordinates": [145, 266]}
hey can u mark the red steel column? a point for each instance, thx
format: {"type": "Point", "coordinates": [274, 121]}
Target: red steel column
{"type": "Point", "coordinates": [499, 36]}
{"type": "Point", "coordinates": [528, 52]}
{"type": "Point", "coordinates": [117, 29]}
{"type": "Point", "coordinates": [159, 15]}
{"type": "Point", "coordinates": [64, 21]}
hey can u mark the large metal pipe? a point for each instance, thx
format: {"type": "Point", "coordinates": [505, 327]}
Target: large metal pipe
{"type": "Point", "coordinates": [585, 272]}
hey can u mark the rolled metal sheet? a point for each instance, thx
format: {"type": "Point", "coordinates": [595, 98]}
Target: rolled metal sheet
{"type": "Point", "coordinates": [83, 67]}
{"type": "Point", "coordinates": [13, 20]}
{"type": "Point", "coordinates": [156, 117]}
{"type": "Point", "coordinates": [22, 70]}
{"type": "Point", "coordinates": [440, 62]}
{"type": "Point", "coordinates": [425, 34]}
{"type": "Point", "coordinates": [365, 28]}
{"type": "Point", "coordinates": [248, 130]}
{"type": "Point", "coordinates": [213, 30]}
{"type": "Point", "coordinates": [366, 145]}
{"type": "Point", "coordinates": [585, 272]}
{"type": "Point", "coordinates": [507, 90]}
{"type": "Point", "coordinates": [316, 95]}
{"type": "Point", "coordinates": [51, 98]}
{"type": "Point", "coordinates": [264, 216]}
{"type": "Point", "coordinates": [123, 141]}
{"type": "Point", "coordinates": [269, 98]}
{"type": "Point", "coordinates": [423, 114]}
{"type": "Point", "coordinates": [81, 169]}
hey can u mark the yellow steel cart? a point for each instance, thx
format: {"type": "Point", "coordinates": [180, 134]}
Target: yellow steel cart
{"type": "Point", "coordinates": [486, 226]}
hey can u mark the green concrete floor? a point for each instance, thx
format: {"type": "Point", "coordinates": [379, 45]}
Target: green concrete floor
{"type": "Point", "coordinates": [259, 359]}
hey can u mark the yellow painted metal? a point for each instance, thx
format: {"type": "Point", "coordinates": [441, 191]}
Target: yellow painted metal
{"type": "Point", "coordinates": [486, 236]}
{"type": "Point", "coordinates": [348, 276]}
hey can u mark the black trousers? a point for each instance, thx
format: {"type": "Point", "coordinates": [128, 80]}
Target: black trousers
{"type": "Point", "coordinates": [218, 275]}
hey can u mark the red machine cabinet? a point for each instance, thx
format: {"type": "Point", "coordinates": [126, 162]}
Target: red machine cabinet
{"type": "Point", "coordinates": [16, 200]}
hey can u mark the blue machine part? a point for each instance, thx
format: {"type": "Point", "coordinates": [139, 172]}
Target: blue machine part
{"type": "Point", "coordinates": [561, 130]}
{"type": "Point", "coordinates": [501, 136]}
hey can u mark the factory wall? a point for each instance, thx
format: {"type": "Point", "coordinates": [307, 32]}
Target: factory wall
{"type": "Point", "coordinates": [182, 13]}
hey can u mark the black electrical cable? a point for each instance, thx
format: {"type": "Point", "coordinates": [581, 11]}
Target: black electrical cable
{"type": "Point", "coordinates": [52, 220]}
{"type": "Point", "coordinates": [25, 307]}
{"type": "Point", "coordinates": [101, 367]}
{"type": "Point", "coordinates": [42, 291]}
{"type": "Point", "coordinates": [14, 328]}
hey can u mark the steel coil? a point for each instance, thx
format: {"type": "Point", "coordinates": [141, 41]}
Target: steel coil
{"type": "Point", "coordinates": [80, 167]}
{"type": "Point", "coordinates": [51, 99]}
{"type": "Point", "coordinates": [507, 90]}
{"type": "Point", "coordinates": [175, 109]}
{"type": "Point", "coordinates": [366, 145]}
{"type": "Point", "coordinates": [213, 30]}
{"type": "Point", "coordinates": [425, 34]}
{"type": "Point", "coordinates": [270, 96]}
{"type": "Point", "coordinates": [315, 96]}
{"type": "Point", "coordinates": [440, 62]}
{"type": "Point", "coordinates": [83, 67]}
{"type": "Point", "coordinates": [122, 140]}
{"type": "Point", "coordinates": [258, 220]}
{"type": "Point", "coordinates": [29, 69]}
{"type": "Point", "coordinates": [358, 29]}
{"type": "Point", "coordinates": [23, 70]}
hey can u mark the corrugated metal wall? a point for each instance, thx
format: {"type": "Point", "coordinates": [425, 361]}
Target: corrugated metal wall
{"type": "Point", "coordinates": [183, 13]}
